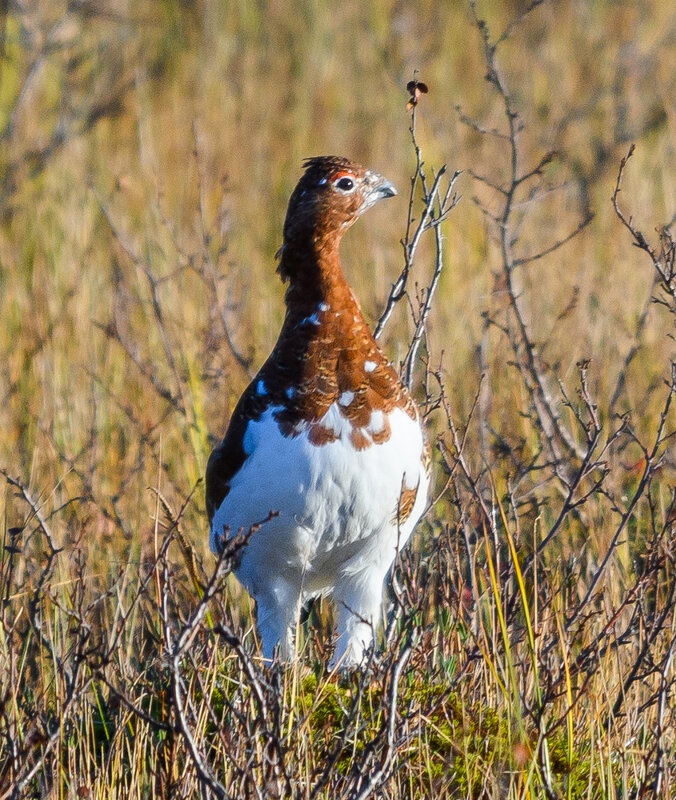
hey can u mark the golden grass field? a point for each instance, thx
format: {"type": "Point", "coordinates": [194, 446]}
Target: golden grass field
{"type": "Point", "coordinates": [147, 154]}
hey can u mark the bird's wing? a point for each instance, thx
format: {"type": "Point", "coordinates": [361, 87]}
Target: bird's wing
{"type": "Point", "coordinates": [227, 459]}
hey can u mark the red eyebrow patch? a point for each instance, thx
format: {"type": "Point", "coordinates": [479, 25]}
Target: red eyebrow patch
{"type": "Point", "coordinates": [342, 174]}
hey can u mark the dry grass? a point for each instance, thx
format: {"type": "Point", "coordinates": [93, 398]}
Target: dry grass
{"type": "Point", "coordinates": [148, 151]}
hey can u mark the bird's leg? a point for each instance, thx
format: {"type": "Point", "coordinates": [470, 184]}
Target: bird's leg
{"type": "Point", "coordinates": [359, 606]}
{"type": "Point", "coordinates": [277, 615]}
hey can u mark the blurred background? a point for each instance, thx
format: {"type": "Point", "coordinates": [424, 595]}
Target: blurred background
{"type": "Point", "coordinates": [148, 152]}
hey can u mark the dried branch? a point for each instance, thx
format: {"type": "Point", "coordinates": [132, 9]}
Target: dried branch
{"type": "Point", "coordinates": [664, 259]}
{"type": "Point", "coordinates": [558, 440]}
{"type": "Point", "coordinates": [436, 207]}
{"type": "Point", "coordinates": [651, 460]}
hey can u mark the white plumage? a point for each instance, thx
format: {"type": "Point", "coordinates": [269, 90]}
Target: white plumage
{"type": "Point", "coordinates": [336, 532]}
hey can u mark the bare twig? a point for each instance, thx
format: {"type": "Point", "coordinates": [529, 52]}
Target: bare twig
{"type": "Point", "coordinates": [436, 208]}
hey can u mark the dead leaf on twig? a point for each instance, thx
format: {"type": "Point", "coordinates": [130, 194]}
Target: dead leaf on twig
{"type": "Point", "coordinates": [416, 89]}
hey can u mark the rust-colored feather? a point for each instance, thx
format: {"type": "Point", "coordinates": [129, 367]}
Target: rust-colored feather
{"type": "Point", "coordinates": [325, 348]}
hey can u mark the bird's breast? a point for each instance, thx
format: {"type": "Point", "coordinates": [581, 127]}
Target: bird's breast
{"type": "Point", "coordinates": [329, 487]}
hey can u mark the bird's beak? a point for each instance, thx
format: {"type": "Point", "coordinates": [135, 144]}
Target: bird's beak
{"type": "Point", "coordinates": [378, 188]}
{"type": "Point", "coordinates": [385, 189]}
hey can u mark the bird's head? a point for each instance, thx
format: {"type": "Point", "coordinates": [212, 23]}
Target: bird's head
{"type": "Point", "coordinates": [331, 196]}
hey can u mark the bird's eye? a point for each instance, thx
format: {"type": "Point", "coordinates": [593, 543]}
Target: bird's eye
{"type": "Point", "coordinates": [345, 184]}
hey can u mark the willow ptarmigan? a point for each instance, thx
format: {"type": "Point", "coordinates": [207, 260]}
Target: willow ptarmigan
{"type": "Point", "coordinates": [326, 436]}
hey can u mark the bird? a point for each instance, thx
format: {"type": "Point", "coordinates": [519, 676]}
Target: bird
{"type": "Point", "coordinates": [326, 444]}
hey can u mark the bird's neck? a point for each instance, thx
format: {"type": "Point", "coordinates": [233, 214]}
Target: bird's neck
{"type": "Point", "coordinates": [312, 267]}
